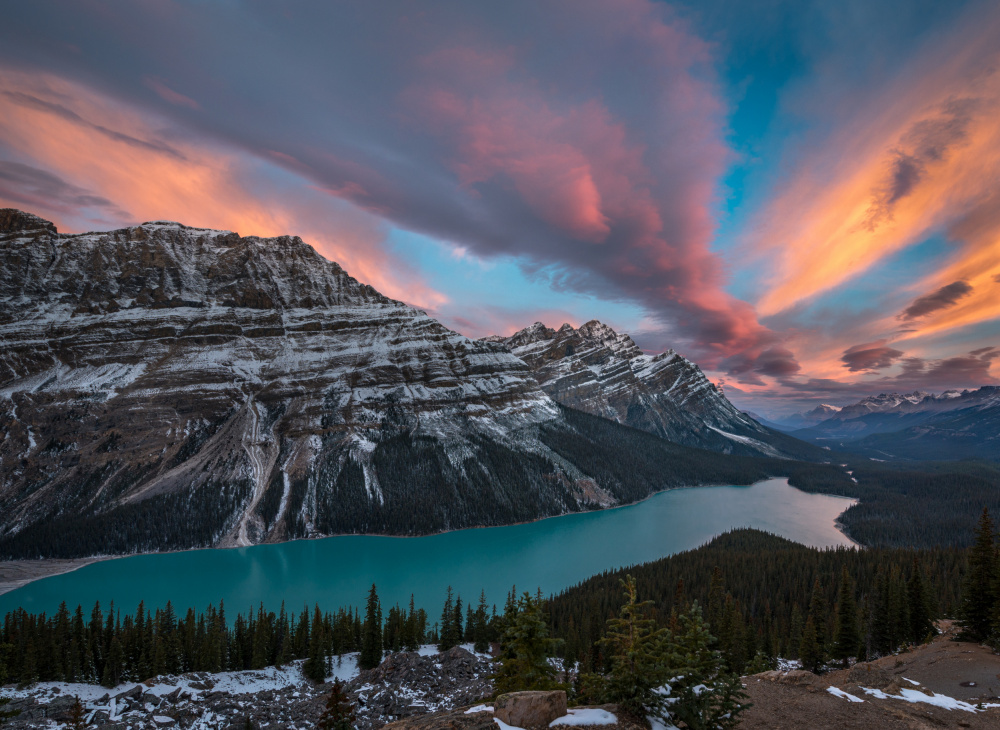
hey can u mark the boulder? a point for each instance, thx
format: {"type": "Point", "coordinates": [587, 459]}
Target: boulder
{"type": "Point", "coordinates": [869, 675]}
{"type": "Point", "coordinates": [530, 710]}
{"type": "Point", "coordinates": [59, 708]}
{"type": "Point", "coordinates": [130, 694]}
{"type": "Point", "coordinates": [794, 676]}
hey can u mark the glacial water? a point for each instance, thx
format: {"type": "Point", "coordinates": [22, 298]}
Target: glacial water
{"type": "Point", "coordinates": [550, 554]}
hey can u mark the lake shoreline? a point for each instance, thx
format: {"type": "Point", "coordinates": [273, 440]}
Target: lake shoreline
{"type": "Point", "coordinates": [15, 574]}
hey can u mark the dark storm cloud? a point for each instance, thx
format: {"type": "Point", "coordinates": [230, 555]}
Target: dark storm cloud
{"type": "Point", "coordinates": [946, 296]}
{"type": "Point", "coordinates": [870, 357]}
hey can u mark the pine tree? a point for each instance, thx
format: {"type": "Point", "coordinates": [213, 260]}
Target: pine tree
{"type": "Point", "coordinates": [716, 601]}
{"type": "Point", "coordinates": [795, 633]}
{"type": "Point", "coordinates": [446, 634]}
{"type": "Point", "coordinates": [411, 641]}
{"type": "Point", "coordinates": [846, 637]}
{"type": "Point", "coordinates": [810, 653]}
{"type": "Point", "coordinates": [314, 667]}
{"type": "Point", "coordinates": [371, 639]}
{"type": "Point", "coordinates": [76, 715]}
{"type": "Point", "coordinates": [979, 597]}
{"type": "Point", "coordinates": [525, 649]}
{"type": "Point", "coordinates": [339, 712]}
{"type": "Point", "coordinates": [702, 694]}
{"type": "Point", "coordinates": [636, 649]}
{"type": "Point", "coordinates": [480, 626]}
{"type": "Point", "coordinates": [456, 624]}
{"type": "Point", "coordinates": [817, 609]}
{"type": "Point", "coordinates": [921, 625]}
{"type": "Point", "coordinates": [114, 666]}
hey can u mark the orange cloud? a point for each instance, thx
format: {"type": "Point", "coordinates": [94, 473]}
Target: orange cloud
{"type": "Point", "coordinates": [117, 163]}
{"type": "Point", "coordinates": [924, 158]}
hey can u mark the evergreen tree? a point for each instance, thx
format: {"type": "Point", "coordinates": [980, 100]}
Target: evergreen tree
{"type": "Point", "coordinates": [525, 649]}
{"type": "Point", "coordinates": [456, 624]}
{"type": "Point", "coordinates": [339, 712]}
{"type": "Point", "coordinates": [314, 667]}
{"type": "Point", "coordinates": [979, 597]}
{"type": "Point", "coordinates": [795, 633]}
{"type": "Point", "coordinates": [703, 695]}
{"type": "Point", "coordinates": [114, 666]}
{"type": "Point", "coordinates": [817, 609]}
{"type": "Point", "coordinates": [636, 649]}
{"type": "Point", "coordinates": [480, 628]}
{"type": "Point", "coordinates": [921, 625]}
{"type": "Point", "coordinates": [411, 637]}
{"type": "Point", "coordinates": [846, 637]}
{"type": "Point", "coordinates": [76, 715]}
{"type": "Point", "coordinates": [446, 633]}
{"type": "Point", "coordinates": [810, 653]}
{"type": "Point", "coordinates": [371, 640]}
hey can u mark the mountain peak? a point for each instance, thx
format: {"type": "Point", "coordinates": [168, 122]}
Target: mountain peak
{"type": "Point", "coordinates": [13, 220]}
{"type": "Point", "coordinates": [596, 369]}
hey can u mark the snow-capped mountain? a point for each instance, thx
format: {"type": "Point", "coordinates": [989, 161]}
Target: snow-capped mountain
{"type": "Point", "coordinates": [164, 386]}
{"type": "Point", "coordinates": [888, 412]}
{"type": "Point", "coordinates": [600, 371]}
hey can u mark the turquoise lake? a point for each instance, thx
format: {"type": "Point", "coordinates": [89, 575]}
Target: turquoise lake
{"type": "Point", "coordinates": [550, 554]}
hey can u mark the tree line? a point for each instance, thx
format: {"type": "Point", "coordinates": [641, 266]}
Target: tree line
{"type": "Point", "coordinates": [764, 597]}
{"type": "Point", "coordinates": [109, 648]}
{"type": "Point", "coordinates": [760, 596]}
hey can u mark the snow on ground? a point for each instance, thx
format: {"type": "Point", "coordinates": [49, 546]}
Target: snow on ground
{"type": "Point", "coordinates": [656, 723]}
{"type": "Point", "coordinates": [786, 665]}
{"type": "Point", "coordinates": [234, 683]}
{"type": "Point", "coordinates": [45, 692]}
{"type": "Point", "coordinates": [584, 717]}
{"type": "Point", "coordinates": [841, 693]}
{"type": "Point", "coordinates": [479, 708]}
{"type": "Point", "coordinates": [912, 695]}
{"type": "Point", "coordinates": [431, 650]}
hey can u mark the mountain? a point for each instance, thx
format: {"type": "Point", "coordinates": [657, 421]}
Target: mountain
{"type": "Point", "coordinates": [965, 433]}
{"type": "Point", "coordinates": [891, 412]}
{"type": "Point", "coordinates": [163, 386]}
{"type": "Point", "coordinates": [600, 371]}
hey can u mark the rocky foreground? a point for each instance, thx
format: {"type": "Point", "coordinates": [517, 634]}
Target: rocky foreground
{"type": "Point", "coordinates": [945, 684]}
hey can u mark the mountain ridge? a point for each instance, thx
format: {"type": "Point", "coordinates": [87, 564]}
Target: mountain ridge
{"type": "Point", "coordinates": [600, 371]}
{"type": "Point", "coordinates": [164, 387]}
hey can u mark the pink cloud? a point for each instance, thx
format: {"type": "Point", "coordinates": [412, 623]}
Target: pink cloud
{"type": "Point", "coordinates": [168, 94]}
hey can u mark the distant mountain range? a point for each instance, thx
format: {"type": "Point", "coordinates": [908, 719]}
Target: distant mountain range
{"type": "Point", "coordinates": [163, 386]}
{"type": "Point", "coordinates": [950, 425]}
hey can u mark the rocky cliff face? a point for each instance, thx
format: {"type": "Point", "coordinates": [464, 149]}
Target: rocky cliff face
{"type": "Point", "coordinates": [167, 386]}
{"type": "Point", "coordinates": [603, 372]}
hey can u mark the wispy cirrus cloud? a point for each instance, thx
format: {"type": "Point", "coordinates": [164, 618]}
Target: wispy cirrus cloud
{"type": "Point", "coordinates": [921, 158]}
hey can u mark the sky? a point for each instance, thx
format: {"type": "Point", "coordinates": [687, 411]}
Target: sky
{"type": "Point", "coordinates": [802, 197]}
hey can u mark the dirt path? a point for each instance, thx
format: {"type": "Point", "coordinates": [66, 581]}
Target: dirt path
{"type": "Point", "coordinates": [966, 673]}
